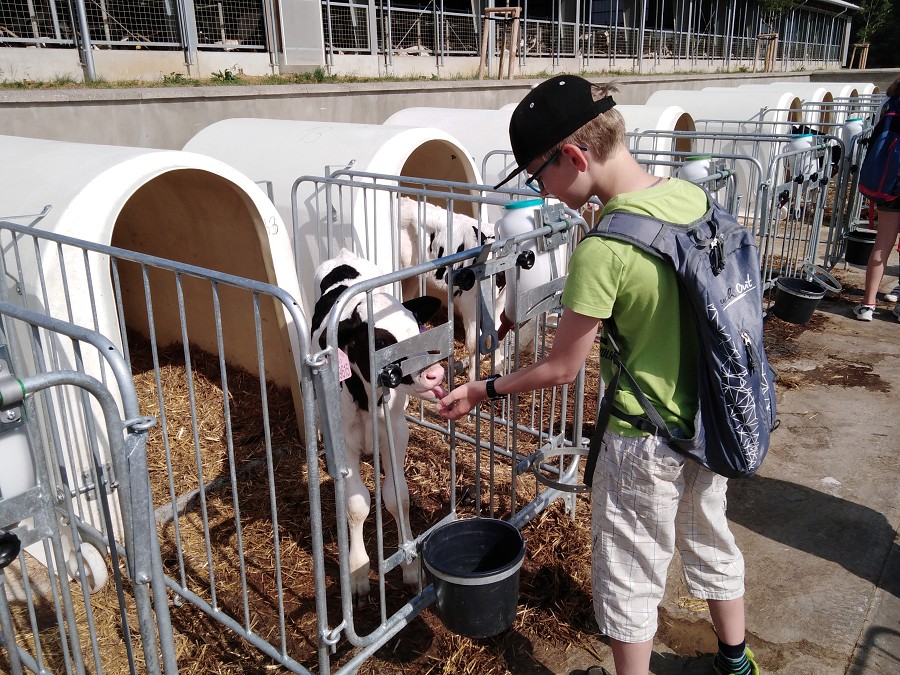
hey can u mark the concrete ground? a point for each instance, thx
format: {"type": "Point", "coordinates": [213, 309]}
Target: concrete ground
{"type": "Point", "coordinates": [818, 524]}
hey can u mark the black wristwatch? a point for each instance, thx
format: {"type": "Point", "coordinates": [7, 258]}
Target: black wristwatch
{"type": "Point", "coordinates": [489, 388]}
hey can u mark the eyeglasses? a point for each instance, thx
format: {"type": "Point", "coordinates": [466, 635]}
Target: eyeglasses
{"type": "Point", "coordinates": [534, 180]}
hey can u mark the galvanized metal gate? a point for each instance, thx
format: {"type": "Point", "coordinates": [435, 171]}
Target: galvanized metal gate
{"type": "Point", "coordinates": [482, 465]}
{"type": "Point", "coordinates": [50, 614]}
{"type": "Point", "coordinates": [207, 352]}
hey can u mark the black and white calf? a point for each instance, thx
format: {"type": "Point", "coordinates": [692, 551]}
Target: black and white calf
{"type": "Point", "coordinates": [427, 232]}
{"type": "Point", "coordinates": [393, 322]}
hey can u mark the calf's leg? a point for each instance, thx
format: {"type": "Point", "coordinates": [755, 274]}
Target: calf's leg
{"type": "Point", "coordinates": [358, 505]}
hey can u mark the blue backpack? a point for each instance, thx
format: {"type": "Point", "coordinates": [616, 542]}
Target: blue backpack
{"type": "Point", "coordinates": [717, 265]}
{"type": "Point", "coordinates": [879, 175]}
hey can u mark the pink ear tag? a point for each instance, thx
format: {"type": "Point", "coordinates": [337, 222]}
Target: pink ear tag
{"type": "Point", "coordinates": [344, 371]}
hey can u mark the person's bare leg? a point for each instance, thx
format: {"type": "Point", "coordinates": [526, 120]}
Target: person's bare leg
{"type": "Point", "coordinates": [631, 658]}
{"type": "Point", "coordinates": [885, 238]}
{"type": "Point", "coordinates": [728, 619]}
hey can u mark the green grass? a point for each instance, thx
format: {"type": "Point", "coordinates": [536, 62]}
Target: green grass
{"type": "Point", "coordinates": [236, 77]}
{"type": "Point", "coordinates": [226, 77]}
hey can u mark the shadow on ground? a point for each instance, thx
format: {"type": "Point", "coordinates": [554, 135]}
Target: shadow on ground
{"type": "Point", "coordinates": [854, 536]}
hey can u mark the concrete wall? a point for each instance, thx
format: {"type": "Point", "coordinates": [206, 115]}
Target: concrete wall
{"type": "Point", "coordinates": [168, 117]}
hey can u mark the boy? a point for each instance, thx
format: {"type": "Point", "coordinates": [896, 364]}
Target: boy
{"type": "Point", "coordinates": [646, 498]}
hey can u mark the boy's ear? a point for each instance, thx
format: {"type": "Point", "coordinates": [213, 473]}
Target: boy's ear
{"type": "Point", "coordinates": [574, 154]}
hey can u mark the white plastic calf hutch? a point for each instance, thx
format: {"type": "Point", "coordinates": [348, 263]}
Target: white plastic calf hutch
{"type": "Point", "coordinates": [780, 108]}
{"type": "Point", "coordinates": [739, 122]}
{"type": "Point", "coordinates": [175, 205]}
{"type": "Point", "coordinates": [279, 152]}
{"type": "Point", "coordinates": [487, 131]}
{"type": "Point", "coordinates": [844, 95]}
{"type": "Point", "coordinates": [815, 100]}
{"type": "Point", "coordinates": [480, 131]}
{"type": "Point", "coordinates": [642, 120]}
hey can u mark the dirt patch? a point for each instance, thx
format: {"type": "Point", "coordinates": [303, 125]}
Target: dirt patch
{"type": "Point", "coordinates": [781, 338]}
{"type": "Point", "coordinates": [798, 365]}
{"type": "Point", "coordinates": [836, 372]}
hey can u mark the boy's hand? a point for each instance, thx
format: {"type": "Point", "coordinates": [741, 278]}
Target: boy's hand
{"type": "Point", "coordinates": [462, 399]}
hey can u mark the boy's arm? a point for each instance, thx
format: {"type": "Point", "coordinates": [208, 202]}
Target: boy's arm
{"type": "Point", "coordinates": [571, 346]}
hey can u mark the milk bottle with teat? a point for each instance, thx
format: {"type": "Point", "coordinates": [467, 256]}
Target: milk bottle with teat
{"type": "Point", "coordinates": [804, 164]}
{"type": "Point", "coordinates": [696, 168]}
{"type": "Point", "coordinates": [535, 266]}
{"type": "Point", "coordinates": [850, 131]}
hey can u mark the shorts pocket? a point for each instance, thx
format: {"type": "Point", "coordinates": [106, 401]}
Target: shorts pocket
{"type": "Point", "coordinates": [652, 475]}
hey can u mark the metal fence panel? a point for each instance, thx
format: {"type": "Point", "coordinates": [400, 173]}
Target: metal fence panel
{"type": "Point", "coordinates": [225, 433]}
{"type": "Point", "coordinates": [808, 37]}
{"type": "Point", "coordinates": [483, 465]}
{"type": "Point", "coordinates": [346, 28]}
{"type": "Point", "coordinates": [37, 22]}
{"type": "Point", "coordinates": [237, 519]}
{"type": "Point", "coordinates": [123, 23]}
{"type": "Point", "coordinates": [56, 605]}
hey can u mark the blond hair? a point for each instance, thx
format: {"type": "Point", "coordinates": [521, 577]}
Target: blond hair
{"type": "Point", "coordinates": [603, 134]}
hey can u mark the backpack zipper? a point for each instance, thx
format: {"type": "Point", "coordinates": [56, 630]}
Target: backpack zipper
{"type": "Point", "coordinates": [751, 352]}
{"type": "Point", "coordinates": [716, 255]}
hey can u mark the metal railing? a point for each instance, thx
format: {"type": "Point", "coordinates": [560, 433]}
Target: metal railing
{"type": "Point", "coordinates": [223, 449]}
{"type": "Point", "coordinates": [56, 564]}
{"type": "Point", "coordinates": [726, 34]}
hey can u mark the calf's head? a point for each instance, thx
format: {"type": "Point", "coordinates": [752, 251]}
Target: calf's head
{"type": "Point", "coordinates": [394, 322]}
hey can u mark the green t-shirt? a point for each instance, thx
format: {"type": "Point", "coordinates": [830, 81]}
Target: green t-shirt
{"type": "Point", "coordinates": [609, 278]}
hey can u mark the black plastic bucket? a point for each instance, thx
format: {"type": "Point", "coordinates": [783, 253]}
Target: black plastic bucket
{"type": "Point", "coordinates": [474, 565]}
{"type": "Point", "coordinates": [859, 246]}
{"type": "Point", "coordinates": [796, 299]}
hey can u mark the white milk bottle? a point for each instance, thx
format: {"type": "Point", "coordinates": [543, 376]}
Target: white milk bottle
{"type": "Point", "coordinates": [850, 131]}
{"type": "Point", "coordinates": [518, 218]}
{"type": "Point", "coordinates": [695, 168]}
{"type": "Point", "coordinates": [805, 164]}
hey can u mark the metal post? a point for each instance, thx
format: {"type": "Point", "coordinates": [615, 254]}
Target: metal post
{"type": "Point", "coordinates": [189, 40]}
{"type": "Point", "coordinates": [372, 31]}
{"type": "Point", "coordinates": [846, 49]}
{"type": "Point", "coordinates": [87, 56]}
{"type": "Point", "coordinates": [35, 30]}
{"type": "Point", "coordinates": [640, 44]}
{"type": "Point", "coordinates": [273, 45]}
{"type": "Point", "coordinates": [557, 53]}
{"type": "Point", "coordinates": [577, 42]}
{"type": "Point", "coordinates": [692, 58]}
{"type": "Point", "coordinates": [729, 35]}
{"type": "Point", "coordinates": [54, 17]}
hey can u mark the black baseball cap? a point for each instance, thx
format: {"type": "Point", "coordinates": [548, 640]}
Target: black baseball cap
{"type": "Point", "coordinates": [552, 111]}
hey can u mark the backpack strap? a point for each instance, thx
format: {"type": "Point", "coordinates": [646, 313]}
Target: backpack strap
{"type": "Point", "coordinates": [653, 423]}
{"type": "Point", "coordinates": [651, 234]}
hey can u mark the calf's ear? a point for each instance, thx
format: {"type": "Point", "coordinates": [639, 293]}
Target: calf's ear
{"type": "Point", "coordinates": [423, 308]}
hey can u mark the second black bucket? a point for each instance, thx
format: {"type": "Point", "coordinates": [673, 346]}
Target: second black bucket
{"type": "Point", "coordinates": [796, 299]}
{"type": "Point", "coordinates": [474, 565]}
{"type": "Point", "coordinates": [859, 246]}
